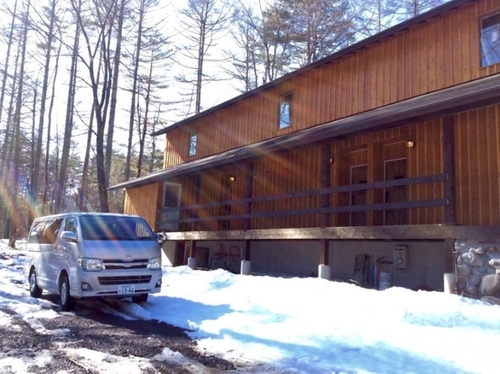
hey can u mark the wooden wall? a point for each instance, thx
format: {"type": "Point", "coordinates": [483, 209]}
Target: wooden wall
{"type": "Point", "coordinates": [301, 170]}
{"type": "Point", "coordinates": [439, 53]}
{"type": "Point", "coordinates": [143, 202]}
{"type": "Point", "coordinates": [477, 157]}
{"type": "Point", "coordinates": [433, 55]}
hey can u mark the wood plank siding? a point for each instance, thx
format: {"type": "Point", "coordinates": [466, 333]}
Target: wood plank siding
{"type": "Point", "coordinates": [459, 179]}
{"type": "Point", "coordinates": [143, 202]}
{"type": "Point", "coordinates": [439, 53]}
{"type": "Point", "coordinates": [478, 164]}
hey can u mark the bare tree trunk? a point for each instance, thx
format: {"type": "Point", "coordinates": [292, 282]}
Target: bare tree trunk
{"type": "Point", "coordinates": [38, 153]}
{"type": "Point", "coordinates": [204, 21]}
{"type": "Point", "coordinates": [15, 221]}
{"type": "Point", "coordinates": [82, 193]}
{"type": "Point", "coordinates": [114, 91]}
{"type": "Point", "coordinates": [145, 120]}
{"type": "Point", "coordinates": [4, 78]}
{"type": "Point", "coordinates": [46, 182]}
{"type": "Point", "coordinates": [68, 123]}
{"type": "Point", "coordinates": [135, 77]}
{"type": "Point", "coordinates": [8, 151]}
{"type": "Point", "coordinates": [100, 90]}
{"type": "Point", "coordinates": [34, 158]}
{"type": "Point", "coordinates": [153, 145]}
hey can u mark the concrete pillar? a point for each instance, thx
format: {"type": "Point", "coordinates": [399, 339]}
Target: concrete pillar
{"type": "Point", "coordinates": [245, 268]}
{"type": "Point", "coordinates": [192, 262]}
{"type": "Point", "coordinates": [324, 271]}
{"type": "Point", "coordinates": [449, 283]}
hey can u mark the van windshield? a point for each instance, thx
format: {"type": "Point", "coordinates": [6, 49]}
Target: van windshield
{"type": "Point", "coordinates": [115, 228]}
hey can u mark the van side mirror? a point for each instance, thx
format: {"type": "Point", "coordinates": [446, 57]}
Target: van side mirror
{"type": "Point", "coordinates": [161, 237]}
{"type": "Point", "coordinates": [69, 236]}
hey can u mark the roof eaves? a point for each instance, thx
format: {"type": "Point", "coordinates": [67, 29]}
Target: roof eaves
{"type": "Point", "coordinates": [448, 99]}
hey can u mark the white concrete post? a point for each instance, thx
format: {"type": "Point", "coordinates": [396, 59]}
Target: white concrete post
{"type": "Point", "coordinates": [192, 262]}
{"type": "Point", "coordinates": [324, 271]}
{"type": "Point", "coordinates": [449, 282]}
{"type": "Point", "coordinates": [245, 267]}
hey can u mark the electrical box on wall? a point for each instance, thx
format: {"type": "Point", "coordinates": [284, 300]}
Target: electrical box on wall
{"type": "Point", "coordinates": [400, 257]}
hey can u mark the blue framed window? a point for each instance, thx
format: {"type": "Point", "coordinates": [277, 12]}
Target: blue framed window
{"type": "Point", "coordinates": [490, 40]}
{"type": "Point", "coordinates": [193, 142]}
{"type": "Point", "coordinates": [285, 112]}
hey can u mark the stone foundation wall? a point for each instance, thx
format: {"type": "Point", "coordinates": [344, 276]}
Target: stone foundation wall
{"type": "Point", "coordinates": [478, 269]}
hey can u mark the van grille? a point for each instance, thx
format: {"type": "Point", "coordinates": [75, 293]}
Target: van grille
{"type": "Point", "coordinates": [121, 265]}
{"type": "Point", "coordinates": [134, 279]}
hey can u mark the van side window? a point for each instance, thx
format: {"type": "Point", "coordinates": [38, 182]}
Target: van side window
{"type": "Point", "coordinates": [70, 225]}
{"type": "Point", "coordinates": [36, 233]}
{"type": "Point", "coordinates": [51, 230]}
{"type": "Point", "coordinates": [141, 230]}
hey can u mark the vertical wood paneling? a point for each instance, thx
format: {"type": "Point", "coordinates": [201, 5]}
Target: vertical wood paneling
{"type": "Point", "coordinates": [441, 52]}
{"type": "Point", "coordinates": [142, 201]}
{"type": "Point", "coordinates": [432, 65]}
{"type": "Point", "coordinates": [430, 56]}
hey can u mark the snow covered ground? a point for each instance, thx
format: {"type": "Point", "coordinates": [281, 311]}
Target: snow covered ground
{"type": "Point", "coordinates": [294, 325]}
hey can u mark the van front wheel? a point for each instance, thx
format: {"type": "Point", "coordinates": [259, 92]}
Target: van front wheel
{"type": "Point", "coordinates": [66, 301]}
{"type": "Point", "coordinates": [35, 291]}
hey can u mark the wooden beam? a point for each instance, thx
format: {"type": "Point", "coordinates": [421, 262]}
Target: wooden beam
{"type": "Point", "coordinates": [383, 233]}
{"type": "Point", "coordinates": [325, 200]}
{"type": "Point", "coordinates": [449, 247]}
{"type": "Point", "coordinates": [192, 248]}
{"type": "Point", "coordinates": [334, 209]}
{"type": "Point", "coordinates": [246, 250]}
{"type": "Point", "coordinates": [197, 189]}
{"type": "Point", "coordinates": [449, 168]}
{"type": "Point", "coordinates": [442, 177]}
{"type": "Point", "coordinates": [249, 171]}
{"type": "Point", "coordinates": [325, 252]}
{"type": "Point", "coordinates": [375, 173]}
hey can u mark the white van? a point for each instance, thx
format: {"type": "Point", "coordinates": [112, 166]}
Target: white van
{"type": "Point", "coordinates": [80, 255]}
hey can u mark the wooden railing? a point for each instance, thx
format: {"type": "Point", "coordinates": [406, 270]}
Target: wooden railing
{"type": "Point", "coordinates": [443, 201]}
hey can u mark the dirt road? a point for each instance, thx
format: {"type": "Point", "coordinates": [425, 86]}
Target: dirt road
{"type": "Point", "coordinates": [63, 341]}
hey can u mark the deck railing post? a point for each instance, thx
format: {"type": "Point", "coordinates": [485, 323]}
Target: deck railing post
{"type": "Point", "coordinates": [449, 168]}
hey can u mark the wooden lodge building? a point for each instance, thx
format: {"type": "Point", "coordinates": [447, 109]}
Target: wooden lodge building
{"type": "Point", "coordinates": [388, 150]}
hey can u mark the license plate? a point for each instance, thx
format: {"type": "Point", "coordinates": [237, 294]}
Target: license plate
{"type": "Point", "coordinates": [126, 289]}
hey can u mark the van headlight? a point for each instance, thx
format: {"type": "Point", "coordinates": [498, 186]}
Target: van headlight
{"type": "Point", "coordinates": [154, 263]}
{"type": "Point", "coordinates": [90, 264]}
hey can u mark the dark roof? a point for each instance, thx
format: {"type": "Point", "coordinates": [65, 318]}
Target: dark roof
{"type": "Point", "coordinates": [351, 49]}
{"type": "Point", "coordinates": [446, 101]}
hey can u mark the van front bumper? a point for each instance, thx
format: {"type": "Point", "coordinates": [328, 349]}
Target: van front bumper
{"type": "Point", "coordinates": [118, 283]}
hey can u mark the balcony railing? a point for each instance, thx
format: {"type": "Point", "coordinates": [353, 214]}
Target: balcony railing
{"type": "Point", "coordinates": [189, 214]}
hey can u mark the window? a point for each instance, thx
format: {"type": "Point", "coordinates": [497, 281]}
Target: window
{"type": "Point", "coordinates": [115, 228]}
{"type": "Point", "coordinates": [70, 225]}
{"type": "Point", "coordinates": [171, 195]}
{"type": "Point", "coordinates": [490, 40]}
{"type": "Point", "coordinates": [169, 219]}
{"type": "Point", "coordinates": [193, 140]}
{"type": "Point", "coordinates": [45, 232]}
{"type": "Point", "coordinates": [285, 112]}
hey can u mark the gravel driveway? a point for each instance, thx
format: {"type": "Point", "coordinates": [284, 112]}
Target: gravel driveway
{"type": "Point", "coordinates": [92, 329]}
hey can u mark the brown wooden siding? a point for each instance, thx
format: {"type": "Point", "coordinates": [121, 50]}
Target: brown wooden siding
{"type": "Point", "coordinates": [143, 202]}
{"type": "Point", "coordinates": [442, 52]}
{"type": "Point", "coordinates": [477, 157]}
{"type": "Point", "coordinates": [287, 173]}
{"type": "Point", "coordinates": [374, 148]}
{"type": "Point", "coordinates": [477, 166]}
